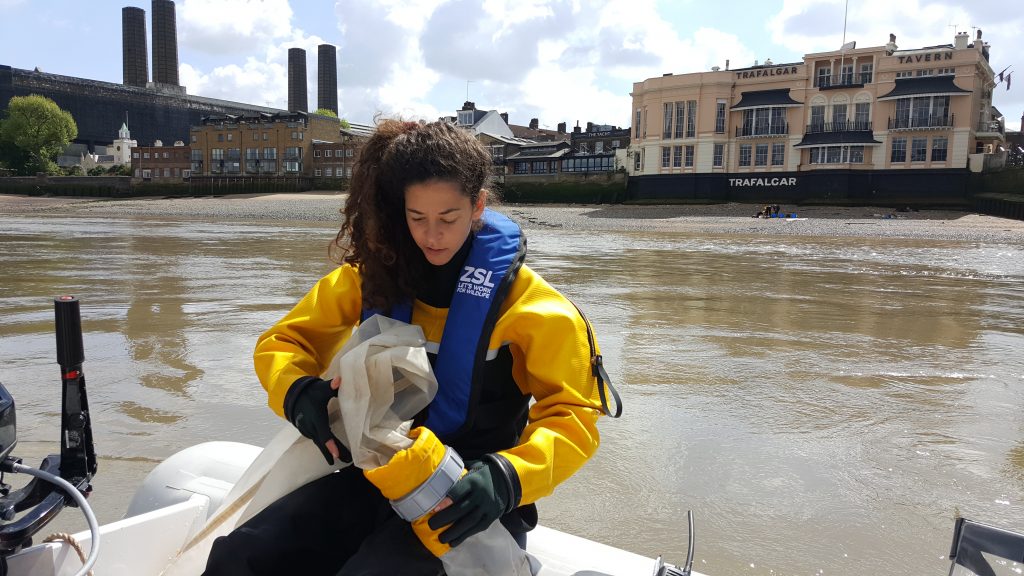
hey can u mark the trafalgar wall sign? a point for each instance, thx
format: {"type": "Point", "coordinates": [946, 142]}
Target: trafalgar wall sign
{"type": "Point", "coordinates": [766, 72]}
{"type": "Point", "coordinates": [763, 182]}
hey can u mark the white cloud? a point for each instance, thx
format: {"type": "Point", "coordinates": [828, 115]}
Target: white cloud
{"type": "Point", "coordinates": [232, 26]}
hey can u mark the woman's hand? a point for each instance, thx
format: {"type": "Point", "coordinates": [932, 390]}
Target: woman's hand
{"type": "Point", "coordinates": [308, 413]}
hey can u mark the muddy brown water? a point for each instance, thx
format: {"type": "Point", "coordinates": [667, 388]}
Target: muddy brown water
{"type": "Point", "coordinates": [823, 405]}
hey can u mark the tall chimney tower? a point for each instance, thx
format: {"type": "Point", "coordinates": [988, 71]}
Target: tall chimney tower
{"type": "Point", "coordinates": [297, 80]}
{"type": "Point", "coordinates": [327, 77]}
{"type": "Point", "coordinates": [165, 43]}
{"type": "Point", "coordinates": [134, 57]}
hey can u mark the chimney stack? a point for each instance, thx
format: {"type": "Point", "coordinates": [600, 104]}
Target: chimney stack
{"type": "Point", "coordinates": [134, 56]}
{"type": "Point", "coordinates": [297, 80]}
{"type": "Point", "coordinates": [590, 126]}
{"type": "Point", "coordinates": [327, 77]}
{"type": "Point", "coordinates": [504, 116]}
{"type": "Point", "coordinates": [534, 124]}
{"type": "Point", "coordinates": [165, 43]}
{"type": "Point", "coordinates": [561, 127]}
{"type": "Point", "coordinates": [960, 40]}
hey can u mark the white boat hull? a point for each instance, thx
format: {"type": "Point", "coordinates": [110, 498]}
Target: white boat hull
{"type": "Point", "coordinates": [181, 499]}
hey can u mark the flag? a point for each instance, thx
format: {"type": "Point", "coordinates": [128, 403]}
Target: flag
{"type": "Point", "coordinates": [1001, 76]}
{"type": "Point", "coordinates": [1008, 77]}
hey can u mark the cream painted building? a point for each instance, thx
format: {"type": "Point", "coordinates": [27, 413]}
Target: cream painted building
{"type": "Point", "coordinates": [860, 113]}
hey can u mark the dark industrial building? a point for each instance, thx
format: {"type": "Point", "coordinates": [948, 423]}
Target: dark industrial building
{"type": "Point", "coordinates": [327, 78]}
{"type": "Point", "coordinates": [297, 80]}
{"type": "Point", "coordinates": [165, 43]}
{"type": "Point", "coordinates": [157, 109]}
{"type": "Point", "coordinates": [134, 56]}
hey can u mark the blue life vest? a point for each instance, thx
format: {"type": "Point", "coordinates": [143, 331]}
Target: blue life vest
{"type": "Point", "coordinates": [497, 253]}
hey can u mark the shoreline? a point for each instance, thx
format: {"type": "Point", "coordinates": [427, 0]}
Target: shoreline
{"type": "Point", "coordinates": [731, 218]}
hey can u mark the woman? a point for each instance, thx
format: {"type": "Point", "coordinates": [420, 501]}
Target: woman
{"type": "Point", "coordinates": [417, 244]}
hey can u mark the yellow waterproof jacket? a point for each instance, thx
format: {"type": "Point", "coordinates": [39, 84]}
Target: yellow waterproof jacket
{"type": "Point", "coordinates": [550, 361]}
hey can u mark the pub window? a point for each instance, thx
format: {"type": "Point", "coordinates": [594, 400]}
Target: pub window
{"type": "Point", "coordinates": [919, 150]}
{"type": "Point", "coordinates": [824, 79]}
{"type": "Point", "coordinates": [679, 120]}
{"type": "Point", "coordinates": [717, 160]}
{"type": "Point", "coordinates": [925, 72]}
{"type": "Point", "coordinates": [677, 156]}
{"type": "Point", "coordinates": [904, 74]}
{"type": "Point", "coordinates": [691, 118]}
{"type": "Point", "coordinates": [865, 72]}
{"type": "Point", "coordinates": [946, 71]}
{"type": "Point", "coordinates": [598, 147]}
{"type": "Point", "coordinates": [616, 144]}
{"type": "Point", "coordinates": [688, 159]}
{"type": "Point", "coordinates": [899, 150]}
{"type": "Point", "coordinates": [744, 154]}
{"type": "Point", "coordinates": [636, 126]}
{"type": "Point", "coordinates": [839, 116]}
{"type": "Point", "coordinates": [818, 116]}
{"type": "Point", "coordinates": [862, 115]}
{"type": "Point", "coordinates": [847, 74]}
{"type": "Point", "coordinates": [939, 149]}
{"type": "Point", "coordinates": [636, 161]}
{"type": "Point", "coordinates": [666, 156]}
{"type": "Point", "coordinates": [720, 117]}
{"type": "Point", "coordinates": [761, 155]}
{"type": "Point", "coordinates": [522, 168]}
{"type": "Point", "coordinates": [778, 154]}
{"type": "Point", "coordinates": [857, 154]}
{"type": "Point", "coordinates": [666, 133]}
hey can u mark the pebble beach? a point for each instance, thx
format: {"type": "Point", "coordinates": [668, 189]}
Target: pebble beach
{"type": "Point", "coordinates": [732, 218]}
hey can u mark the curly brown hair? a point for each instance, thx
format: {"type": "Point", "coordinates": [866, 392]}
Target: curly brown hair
{"type": "Point", "coordinates": [374, 234]}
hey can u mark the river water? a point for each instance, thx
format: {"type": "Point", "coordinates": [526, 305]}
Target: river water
{"type": "Point", "coordinates": [823, 405]}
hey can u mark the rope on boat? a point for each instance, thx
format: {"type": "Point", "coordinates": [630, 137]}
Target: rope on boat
{"type": "Point", "coordinates": [65, 537]}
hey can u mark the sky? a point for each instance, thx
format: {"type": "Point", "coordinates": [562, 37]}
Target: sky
{"type": "Point", "coordinates": [555, 60]}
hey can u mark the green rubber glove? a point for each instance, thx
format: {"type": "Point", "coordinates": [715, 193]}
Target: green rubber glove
{"type": "Point", "coordinates": [478, 499]}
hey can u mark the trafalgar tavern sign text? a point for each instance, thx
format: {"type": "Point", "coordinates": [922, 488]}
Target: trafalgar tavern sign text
{"type": "Point", "coordinates": [764, 72]}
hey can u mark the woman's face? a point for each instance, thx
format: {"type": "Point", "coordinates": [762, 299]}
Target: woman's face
{"type": "Point", "coordinates": [440, 218]}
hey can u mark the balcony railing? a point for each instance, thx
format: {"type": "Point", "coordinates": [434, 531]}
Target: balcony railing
{"type": "Point", "coordinates": [762, 130]}
{"type": "Point", "coordinates": [991, 127]}
{"type": "Point", "coordinates": [839, 126]}
{"type": "Point", "coordinates": [921, 122]}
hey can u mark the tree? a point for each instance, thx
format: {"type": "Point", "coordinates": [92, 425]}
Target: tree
{"type": "Point", "coordinates": [345, 125]}
{"type": "Point", "coordinates": [326, 112]}
{"type": "Point", "coordinates": [39, 129]}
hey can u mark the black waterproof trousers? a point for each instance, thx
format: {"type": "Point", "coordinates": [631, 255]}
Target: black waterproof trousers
{"type": "Point", "coordinates": [339, 524]}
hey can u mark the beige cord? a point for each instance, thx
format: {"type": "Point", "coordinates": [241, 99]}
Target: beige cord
{"type": "Point", "coordinates": [64, 536]}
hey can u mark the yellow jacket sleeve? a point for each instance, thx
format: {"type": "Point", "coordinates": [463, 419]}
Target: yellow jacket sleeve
{"type": "Point", "coordinates": [305, 341]}
{"type": "Point", "coordinates": [551, 352]}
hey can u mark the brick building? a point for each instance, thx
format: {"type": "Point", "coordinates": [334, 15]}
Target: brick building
{"type": "Point", "coordinates": [161, 162]}
{"type": "Point", "coordinates": [259, 145]}
{"type": "Point", "coordinates": [335, 159]}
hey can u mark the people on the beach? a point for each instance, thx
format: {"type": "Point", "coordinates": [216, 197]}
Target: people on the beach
{"type": "Point", "coordinates": [521, 385]}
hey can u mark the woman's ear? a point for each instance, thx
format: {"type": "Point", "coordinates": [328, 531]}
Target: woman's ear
{"type": "Point", "coordinates": [478, 208]}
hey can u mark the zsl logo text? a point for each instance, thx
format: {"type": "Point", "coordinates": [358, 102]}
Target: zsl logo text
{"type": "Point", "coordinates": [479, 276]}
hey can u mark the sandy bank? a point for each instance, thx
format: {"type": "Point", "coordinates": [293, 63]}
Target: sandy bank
{"type": "Point", "coordinates": [324, 206]}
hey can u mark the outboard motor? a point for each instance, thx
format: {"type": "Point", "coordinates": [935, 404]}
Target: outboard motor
{"type": "Point", "coordinates": [62, 479]}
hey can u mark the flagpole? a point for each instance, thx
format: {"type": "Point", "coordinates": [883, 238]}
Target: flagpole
{"type": "Point", "coordinates": [842, 58]}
